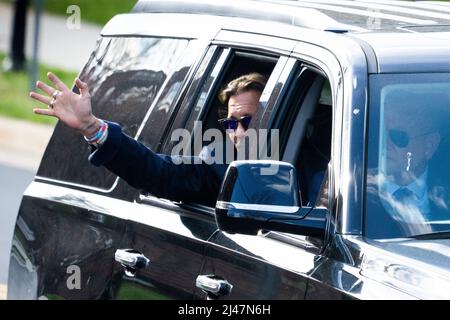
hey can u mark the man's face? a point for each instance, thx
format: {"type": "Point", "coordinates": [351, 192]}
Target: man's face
{"type": "Point", "coordinates": [410, 143]}
{"type": "Point", "coordinates": [240, 105]}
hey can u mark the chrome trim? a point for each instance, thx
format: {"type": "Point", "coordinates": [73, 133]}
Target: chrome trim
{"type": "Point", "coordinates": [77, 185]}
{"type": "Point", "coordinates": [126, 258]}
{"type": "Point", "coordinates": [211, 285]}
{"type": "Point", "coordinates": [261, 162]}
{"type": "Point", "coordinates": [152, 200]}
{"type": "Point", "coordinates": [256, 207]}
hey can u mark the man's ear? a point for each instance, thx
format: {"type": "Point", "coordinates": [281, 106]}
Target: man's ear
{"type": "Point", "coordinates": [432, 143]}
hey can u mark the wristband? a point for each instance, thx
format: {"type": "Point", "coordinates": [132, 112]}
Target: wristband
{"type": "Point", "coordinates": [100, 136]}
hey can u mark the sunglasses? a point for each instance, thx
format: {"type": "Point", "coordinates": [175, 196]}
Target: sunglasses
{"type": "Point", "coordinates": [400, 138]}
{"type": "Point", "coordinates": [232, 124]}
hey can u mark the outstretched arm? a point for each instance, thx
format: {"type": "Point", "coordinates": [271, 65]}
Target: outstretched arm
{"type": "Point", "coordinates": [158, 174]}
{"type": "Point", "coordinates": [126, 157]}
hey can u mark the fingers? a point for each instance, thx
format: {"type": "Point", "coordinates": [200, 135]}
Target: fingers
{"type": "Point", "coordinates": [58, 83]}
{"type": "Point", "coordinates": [44, 112]}
{"type": "Point", "coordinates": [82, 86]}
{"type": "Point", "coordinates": [46, 88]}
{"type": "Point", "coordinates": [41, 98]}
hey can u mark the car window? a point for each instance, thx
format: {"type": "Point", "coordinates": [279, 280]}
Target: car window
{"type": "Point", "coordinates": [306, 139]}
{"type": "Point", "coordinates": [160, 115]}
{"type": "Point", "coordinates": [214, 56]}
{"type": "Point", "coordinates": [408, 177]}
{"type": "Point", "coordinates": [125, 76]}
{"type": "Point", "coordinates": [206, 109]}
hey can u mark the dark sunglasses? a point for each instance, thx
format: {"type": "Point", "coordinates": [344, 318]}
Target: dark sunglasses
{"type": "Point", "coordinates": [400, 138]}
{"type": "Point", "coordinates": [232, 124]}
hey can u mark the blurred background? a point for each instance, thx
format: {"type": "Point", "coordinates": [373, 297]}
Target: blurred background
{"type": "Point", "coordinates": [37, 36]}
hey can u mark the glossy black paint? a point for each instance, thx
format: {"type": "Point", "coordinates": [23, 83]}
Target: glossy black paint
{"type": "Point", "coordinates": [58, 236]}
{"type": "Point", "coordinates": [248, 263]}
{"type": "Point", "coordinates": [72, 216]}
{"type": "Point", "coordinates": [173, 239]}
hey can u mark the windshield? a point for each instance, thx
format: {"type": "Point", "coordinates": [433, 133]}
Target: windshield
{"type": "Point", "coordinates": [408, 172]}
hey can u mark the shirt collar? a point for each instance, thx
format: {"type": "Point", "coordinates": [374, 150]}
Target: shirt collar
{"type": "Point", "coordinates": [418, 186]}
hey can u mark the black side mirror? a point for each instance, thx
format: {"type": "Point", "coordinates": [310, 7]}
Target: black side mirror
{"type": "Point", "coordinates": [263, 194]}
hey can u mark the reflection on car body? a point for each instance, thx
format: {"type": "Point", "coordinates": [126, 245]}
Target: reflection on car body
{"type": "Point", "coordinates": [321, 228]}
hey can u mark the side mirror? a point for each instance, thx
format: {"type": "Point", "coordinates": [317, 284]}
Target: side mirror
{"type": "Point", "coordinates": [263, 194]}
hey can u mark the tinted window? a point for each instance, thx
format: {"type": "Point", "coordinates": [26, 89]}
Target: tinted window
{"type": "Point", "coordinates": [165, 109]}
{"type": "Point", "coordinates": [226, 65]}
{"type": "Point", "coordinates": [209, 62]}
{"type": "Point", "coordinates": [124, 76]}
{"type": "Point", "coordinates": [201, 108]}
{"type": "Point", "coordinates": [307, 118]}
{"type": "Point", "coordinates": [408, 177]}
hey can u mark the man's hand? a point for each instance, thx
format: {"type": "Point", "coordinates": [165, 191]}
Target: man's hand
{"type": "Point", "coordinates": [72, 109]}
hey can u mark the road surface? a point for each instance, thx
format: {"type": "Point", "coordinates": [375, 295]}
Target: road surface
{"type": "Point", "coordinates": [13, 183]}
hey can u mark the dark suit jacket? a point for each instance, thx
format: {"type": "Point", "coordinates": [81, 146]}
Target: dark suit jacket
{"type": "Point", "coordinates": [158, 174]}
{"type": "Point", "coordinates": [380, 223]}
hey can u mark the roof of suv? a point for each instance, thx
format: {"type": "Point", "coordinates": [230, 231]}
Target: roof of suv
{"type": "Point", "coordinates": [404, 35]}
{"type": "Point", "coordinates": [368, 15]}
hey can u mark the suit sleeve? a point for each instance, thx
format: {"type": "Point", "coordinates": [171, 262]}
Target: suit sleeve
{"type": "Point", "coordinates": [157, 174]}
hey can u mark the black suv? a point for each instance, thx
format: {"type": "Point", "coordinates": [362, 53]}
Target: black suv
{"type": "Point", "coordinates": [356, 91]}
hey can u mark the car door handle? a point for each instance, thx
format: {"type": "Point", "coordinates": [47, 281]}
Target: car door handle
{"type": "Point", "coordinates": [131, 260]}
{"type": "Point", "coordinates": [213, 286]}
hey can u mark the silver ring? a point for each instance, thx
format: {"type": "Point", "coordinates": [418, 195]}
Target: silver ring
{"type": "Point", "coordinates": [55, 94]}
{"type": "Point", "coordinates": [50, 105]}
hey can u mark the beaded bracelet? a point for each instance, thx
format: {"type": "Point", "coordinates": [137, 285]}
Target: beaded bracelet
{"type": "Point", "coordinates": [100, 136]}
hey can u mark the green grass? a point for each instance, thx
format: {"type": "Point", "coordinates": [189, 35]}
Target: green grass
{"type": "Point", "coordinates": [15, 101]}
{"type": "Point", "coordinates": [132, 291]}
{"type": "Point", "coordinates": [96, 11]}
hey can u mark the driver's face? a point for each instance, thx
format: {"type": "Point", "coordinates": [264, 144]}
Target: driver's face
{"type": "Point", "coordinates": [240, 105]}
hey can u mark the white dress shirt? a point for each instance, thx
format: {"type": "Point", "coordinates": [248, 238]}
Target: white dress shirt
{"type": "Point", "coordinates": [417, 207]}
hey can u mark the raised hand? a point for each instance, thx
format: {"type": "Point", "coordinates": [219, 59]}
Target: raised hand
{"type": "Point", "coordinates": [71, 108]}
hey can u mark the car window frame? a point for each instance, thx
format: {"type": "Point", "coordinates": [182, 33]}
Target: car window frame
{"type": "Point", "coordinates": [320, 66]}
{"type": "Point", "coordinates": [215, 60]}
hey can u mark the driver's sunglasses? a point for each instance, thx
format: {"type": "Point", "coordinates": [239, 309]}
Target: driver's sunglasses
{"type": "Point", "coordinates": [232, 124]}
{"type": "Point", "coordinates": [401, 138]}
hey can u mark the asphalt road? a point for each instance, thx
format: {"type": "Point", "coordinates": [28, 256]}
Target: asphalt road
{"type": "Point", "coordinates": [13, 182]}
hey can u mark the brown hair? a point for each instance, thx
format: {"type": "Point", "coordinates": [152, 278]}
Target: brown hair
{"type": "Point", "coordinates": [247, 82]}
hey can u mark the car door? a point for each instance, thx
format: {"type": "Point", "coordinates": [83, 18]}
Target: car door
{"type": "Point", "coordinates": [274, 265]}
{"type": "Point", "coordinates": [73, 216]}
{"type": "Point", "coordinates": [164, 232]}
{"type": "Point", "coordinates": [268, 266]}
{"type": "Point", "coordinates": [173, 235]}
